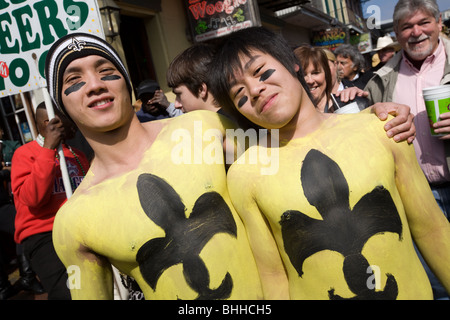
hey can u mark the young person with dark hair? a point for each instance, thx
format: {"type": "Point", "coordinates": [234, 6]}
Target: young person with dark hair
{"type": "Point", "coordinates": [336, 221]}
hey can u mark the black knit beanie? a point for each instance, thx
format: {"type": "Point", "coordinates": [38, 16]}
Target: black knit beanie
{"type": "Point", "coordinates": [71, 47]}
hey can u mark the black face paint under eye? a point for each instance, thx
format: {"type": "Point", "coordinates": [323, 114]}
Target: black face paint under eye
{"type": "Point", "coordinates": [111, 77]}
{"type": "Point", "coordinates": [266, 75]}
{"type": "Point", "coordinates": [242, 101]}
{"type": "Point", "coordinates": [73, 88]}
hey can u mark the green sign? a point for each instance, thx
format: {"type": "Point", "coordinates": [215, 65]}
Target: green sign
{"type": "Point", "coordinates": [27, 30]}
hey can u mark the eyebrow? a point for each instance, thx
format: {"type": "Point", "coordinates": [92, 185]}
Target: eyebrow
{"type": "Point", "coordinates": [424, 19]}
{"type": "Point", "coordinates": [246, 66]}
{"type": "Point", "coordinates": [176, 90]}
{"type": "Point", "coordinates": [250, 62]}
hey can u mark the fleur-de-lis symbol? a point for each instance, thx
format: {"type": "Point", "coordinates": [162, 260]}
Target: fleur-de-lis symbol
{"type": "Point", "coordinates": [342, 229]}
{"type": "Point", "coordinates": [76, 45]}
{"type": "Point", "coordinates": [184, 237]}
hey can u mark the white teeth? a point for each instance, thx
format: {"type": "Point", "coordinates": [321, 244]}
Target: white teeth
{"type": "Point", "coordinates": [98, 103]}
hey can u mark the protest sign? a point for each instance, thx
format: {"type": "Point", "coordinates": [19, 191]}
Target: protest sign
{"type": "Point", "coordinates": [27, 30]}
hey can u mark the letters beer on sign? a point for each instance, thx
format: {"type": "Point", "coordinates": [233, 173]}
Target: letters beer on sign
{"type": "Point", "coordinates": [212, 19]}
{"type": "Point", "coordinates": [27, 30]}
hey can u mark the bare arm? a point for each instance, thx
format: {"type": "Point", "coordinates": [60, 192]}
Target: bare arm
{"type": "Point", "coordinates": [429, 226]}
{"type": "Point", "coordinates": [89, 275]}
{"type": "Point", "coordinates": [95, 276]}
{"type": "Point", "coordinates": [265, 250]}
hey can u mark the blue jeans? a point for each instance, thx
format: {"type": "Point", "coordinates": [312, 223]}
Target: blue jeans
{"type": "Point", "coordinates": [442, 196]}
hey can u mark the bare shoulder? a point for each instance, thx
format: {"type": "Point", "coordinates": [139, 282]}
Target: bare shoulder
{"type": "Point", "coordinates": [208, 119]}
{"type": "Point", "coordinates": [153, 128]}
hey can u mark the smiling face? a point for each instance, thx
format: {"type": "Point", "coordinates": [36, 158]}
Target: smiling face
{"type": "Point", "coordinates": [265, 92]}
{"type": "Point", "coordinates": [418, 34]}
{"type": "Point", "coordinates": [95, 94]}
{"type": "Point", "coordinates": [315, 79]}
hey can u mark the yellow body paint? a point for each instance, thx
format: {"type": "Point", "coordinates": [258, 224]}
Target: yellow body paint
{"type": "Point", "coordinates": [176, 219]}
{"type": "Point", "coordinates": [340, 209]}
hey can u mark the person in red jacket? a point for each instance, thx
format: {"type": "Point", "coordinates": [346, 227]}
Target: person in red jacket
{"type": "Point", "coordinates": [39, 192]}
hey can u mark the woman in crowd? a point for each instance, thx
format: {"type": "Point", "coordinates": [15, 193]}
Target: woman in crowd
{"type": "Point", "coordinates": [323, 82]}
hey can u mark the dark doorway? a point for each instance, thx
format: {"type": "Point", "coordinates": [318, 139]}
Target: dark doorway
{"type": "Point", "coordinates": [137, 51]}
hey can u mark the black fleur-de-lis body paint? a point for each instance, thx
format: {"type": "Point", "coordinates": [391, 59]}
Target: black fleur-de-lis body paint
{"type": "Point", "coordinates": [342, 229]}
{"type": "Point", "coordinates": [184, 237]}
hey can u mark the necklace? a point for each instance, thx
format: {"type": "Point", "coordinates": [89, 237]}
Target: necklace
{"type": "Point", "coordinates": [79, 163]}
{"type": "Point", "coordinates": [40, 140]}
{"type": "Point", "coordinates": [78, 160]}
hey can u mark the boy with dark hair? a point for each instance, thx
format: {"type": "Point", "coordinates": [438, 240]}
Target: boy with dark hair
{"type": "Point", "coordinates": [188, 74]}
{"type": "Point", "coordinates": [336, 220]}
{"type": "Point", "coordinates": [146, 206]}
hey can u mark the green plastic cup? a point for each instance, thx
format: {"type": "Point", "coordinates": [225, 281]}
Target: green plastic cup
{"type": "Point", "coordinates": [437, 101]}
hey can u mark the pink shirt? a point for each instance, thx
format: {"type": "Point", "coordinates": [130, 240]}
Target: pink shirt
{"type": "Point", "coordinates": [408, 90]}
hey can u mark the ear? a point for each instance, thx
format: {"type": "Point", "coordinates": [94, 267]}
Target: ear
{"type": "Point", "coordinates": [296, 67]}
{"type": "Point", "coordinates": [203, 92]}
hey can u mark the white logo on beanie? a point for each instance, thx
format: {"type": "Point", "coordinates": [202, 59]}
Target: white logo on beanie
{"type": "Point", "coordinates": [76, 45]}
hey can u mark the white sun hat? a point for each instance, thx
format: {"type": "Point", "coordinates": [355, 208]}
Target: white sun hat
{"type": "Point", "coordinates": [385, 42]}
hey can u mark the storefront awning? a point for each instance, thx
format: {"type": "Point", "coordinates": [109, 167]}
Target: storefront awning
{"type": "Point", "coordinates": [306, 16]}
{"type": "Point", "coordinates": [280, 4]}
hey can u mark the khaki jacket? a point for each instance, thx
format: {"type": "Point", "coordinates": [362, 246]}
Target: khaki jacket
{"type": "Point", "coordinates": [382, 85]}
